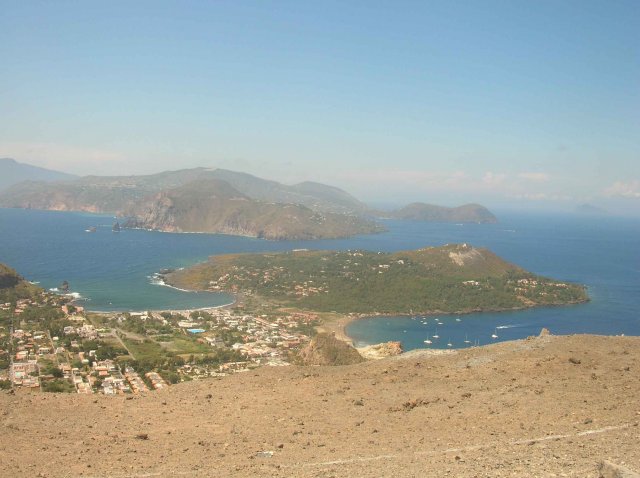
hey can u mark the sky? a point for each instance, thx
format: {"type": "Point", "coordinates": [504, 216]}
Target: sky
{"type": "Point", "coordinates": [509, 103]}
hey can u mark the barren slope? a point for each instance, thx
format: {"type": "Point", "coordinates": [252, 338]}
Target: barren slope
{"type": "Point", "coordinates": [549, 406]}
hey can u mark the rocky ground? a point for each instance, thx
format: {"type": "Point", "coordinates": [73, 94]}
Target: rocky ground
{"type": "Point", "coordinates": [547, 406]}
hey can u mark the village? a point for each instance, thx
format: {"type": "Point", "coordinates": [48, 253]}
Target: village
{"type": "Point", "coordinates": [60, 347]}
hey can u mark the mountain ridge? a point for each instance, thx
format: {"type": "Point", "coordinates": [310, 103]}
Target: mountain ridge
{"type": "Point", "coordinates": [116, 194]}
{"type": "Point", "coordinates": [13, 172]}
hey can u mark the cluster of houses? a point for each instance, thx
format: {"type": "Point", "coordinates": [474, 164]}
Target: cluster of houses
{"type": "Point", "coordinates": [29, 345]}
{"type": "Point", "coordinates": [264, 341]}
{"type": "Point", "coordinates": [261, 340]}
{"type": "Point", "coordinates": [157, 382]}
{"type": "Point", "coordinates": [85, 331]}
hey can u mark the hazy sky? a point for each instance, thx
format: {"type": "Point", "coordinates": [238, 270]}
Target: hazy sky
{"type": "Point", "coordinates": [507, 102]}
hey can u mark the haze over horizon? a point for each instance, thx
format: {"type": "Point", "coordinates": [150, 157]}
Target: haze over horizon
{"type": "Point", "coordinates": [504, 103]}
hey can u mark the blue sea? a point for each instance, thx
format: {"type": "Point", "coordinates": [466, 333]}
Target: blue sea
{"type": "Point", "coordinates": [114, 271]}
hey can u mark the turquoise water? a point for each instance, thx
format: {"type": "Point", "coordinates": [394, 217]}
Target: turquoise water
{"type": "Point", "coordinates": [114, 271]}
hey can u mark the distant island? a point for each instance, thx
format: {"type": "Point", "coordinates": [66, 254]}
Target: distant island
{"type": "Point", "coordinates": [214, 206]}
{"type": "Point", "coordinates": [428, 212]}
{"type": "Point", "coordinates": [216, 201]}
{"type": "Point", "coordinates": [448, 279]}
{"type": "Point", "coordinates": [590, 210]}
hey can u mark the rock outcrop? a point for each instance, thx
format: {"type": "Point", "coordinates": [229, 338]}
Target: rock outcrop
{"type": "Point", "coordinates": [326, 349]}
{"type": "Point", "coordinates": [380, 351]}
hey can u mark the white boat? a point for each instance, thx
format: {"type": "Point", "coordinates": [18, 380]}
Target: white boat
{"type": "Point", "coordinates": [495, 334]}
{"type": "Point", "coordinates": [449, 344]}
{"type": "Point", "coordinates": [428, 342]}
{"type": "Point", "coordinates": [436, 336]}
{"type": "Point", "coordinates": [466, 339]}
{"type": "Point", "coordinates": [458, 320]}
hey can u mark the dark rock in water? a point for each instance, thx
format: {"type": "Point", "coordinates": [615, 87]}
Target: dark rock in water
{"type": "Point", "coordinates": [64, 287]}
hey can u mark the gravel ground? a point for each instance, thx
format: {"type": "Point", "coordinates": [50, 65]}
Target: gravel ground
{"type": "Point", "coordinates": [547, 406]}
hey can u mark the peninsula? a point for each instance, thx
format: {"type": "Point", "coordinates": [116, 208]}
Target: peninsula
{"type": "Point", "coordinates": [455, 278]}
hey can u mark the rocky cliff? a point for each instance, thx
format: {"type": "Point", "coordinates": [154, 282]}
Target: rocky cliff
{"type": "Point", "coordinates": [214, 206]}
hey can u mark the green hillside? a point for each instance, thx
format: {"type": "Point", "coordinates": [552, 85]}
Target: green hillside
{"type": "Point", "coordinates": [13, 287]}
{"type": "Point", "coordinates": [452, 278]}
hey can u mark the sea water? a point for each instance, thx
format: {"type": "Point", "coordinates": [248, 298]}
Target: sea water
{"type": "Point", "coordinates": [115, 271]}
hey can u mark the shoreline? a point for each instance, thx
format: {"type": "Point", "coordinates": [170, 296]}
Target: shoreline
{"type": "Point", "coordinates": [213, 307]}
{"type": "Point", "coordinates": [254, 236]}
{"type": "Point", "coordinates": [336, 323]}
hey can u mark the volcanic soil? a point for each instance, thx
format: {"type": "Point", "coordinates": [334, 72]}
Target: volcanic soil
{"type": "Point", "coordinates": [544, 406]}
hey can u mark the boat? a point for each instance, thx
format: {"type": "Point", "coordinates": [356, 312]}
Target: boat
{"type": "Point", "coordinates": [116, 227]}
{"type": "Point", "coordinates": [495, 334]}
{"type": "Point", "coordinates": [428, 342]}
{"type": "Point", "coordinates": [449, 344]}
{"type": "Point", "coordinates": [91, 229]}
{"type": "Point", "coordinates": [458, 320]}
{"type": "Point", "coordinates": [466, 339]}
{"type": "Point", "coordinates": [436, 336]}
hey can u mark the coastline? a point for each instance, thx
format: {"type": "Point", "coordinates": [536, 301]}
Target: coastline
{"type": "Point", "coordinates": [336, 323]}
{"type": "Point", "coordinates": [254, 236]}
{"type": "Point", "coordinates": [212, 307]}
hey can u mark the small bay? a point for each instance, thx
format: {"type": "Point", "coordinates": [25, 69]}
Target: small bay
{"type": "Point", "coordinates": [114, 271]}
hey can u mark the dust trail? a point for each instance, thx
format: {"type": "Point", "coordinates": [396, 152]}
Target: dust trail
{"type": "Point", "coordinates": [523, 441]}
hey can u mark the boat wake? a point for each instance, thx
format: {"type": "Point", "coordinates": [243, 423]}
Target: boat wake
{"type": "Point", "coordinates": [510, 326]}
